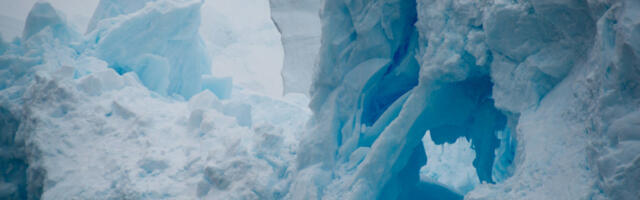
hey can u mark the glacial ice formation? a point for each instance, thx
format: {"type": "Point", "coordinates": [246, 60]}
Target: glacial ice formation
{"type": "Point", "coordinates": [299, 26]}
{"type": "Point", "coordinates": [541, 89]}
{"type": "Point", "coordinates": [166, 52]}
{"type": "Point", "coordinates": [134, 115]}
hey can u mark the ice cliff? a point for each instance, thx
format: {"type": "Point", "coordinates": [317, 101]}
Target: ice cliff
{"type": "Point", "coordinates": [299, 26]}
{"type": "Point", "coordinates": [543, 93]}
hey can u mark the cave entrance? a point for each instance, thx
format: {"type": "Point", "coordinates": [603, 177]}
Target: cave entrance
{"type": "Point", "coordinates": [463, 136]}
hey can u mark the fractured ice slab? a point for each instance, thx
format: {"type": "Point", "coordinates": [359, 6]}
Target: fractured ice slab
{"type": "Point", "coordinates": [166, 51]}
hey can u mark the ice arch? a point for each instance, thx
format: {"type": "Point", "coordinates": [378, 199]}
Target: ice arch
{"type": "Point", "coordinates": [374, 97]}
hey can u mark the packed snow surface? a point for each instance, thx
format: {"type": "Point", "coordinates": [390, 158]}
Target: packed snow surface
{"type": "Point", "coordinates": [409, 99]}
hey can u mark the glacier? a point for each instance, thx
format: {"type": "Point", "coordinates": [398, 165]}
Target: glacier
{"type": "Point", "coordinates": [537, 87]}
{"type": "Point", "coordinates": [353, 99]}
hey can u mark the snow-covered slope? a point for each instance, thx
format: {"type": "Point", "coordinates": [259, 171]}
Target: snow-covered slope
{"type": "Point", "coordinates": [545, 91]}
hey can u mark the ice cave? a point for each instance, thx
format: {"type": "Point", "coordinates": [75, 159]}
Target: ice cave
{"type": "Point", "coordinates": [320, 99]}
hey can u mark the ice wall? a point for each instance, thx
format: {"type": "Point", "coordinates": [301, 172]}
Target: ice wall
{"type": "Point", "coordinates": [545, 91]}
{"type": "Point", "coordinates": [299, 26]}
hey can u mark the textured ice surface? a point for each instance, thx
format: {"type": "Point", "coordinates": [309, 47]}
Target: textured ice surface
{"type": "Point", "coordinates": [299, 26]}
{"type": "Point", "coordinates": [545, 91]}
{"type": "Point", "coordinates": [166, 52]}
